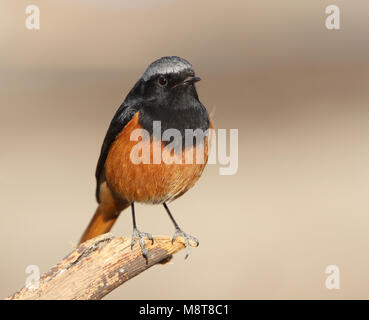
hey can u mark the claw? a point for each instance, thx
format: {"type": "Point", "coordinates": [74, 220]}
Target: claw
{"type": "Point", "coordinates": [141, 235]}
{"type": "Point", "coordinates": [187, 238]}
{"type": "Point", "coordinates": [149, 236]}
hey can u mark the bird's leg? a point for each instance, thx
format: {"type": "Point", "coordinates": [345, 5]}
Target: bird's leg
{"type": "Point", "coordinates": [140, 235]}
{"type": "Point", "coordinates": [180, 233]}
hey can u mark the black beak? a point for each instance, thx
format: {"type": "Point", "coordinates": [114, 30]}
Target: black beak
{"type": "Point", "coordinates": [191, 80]}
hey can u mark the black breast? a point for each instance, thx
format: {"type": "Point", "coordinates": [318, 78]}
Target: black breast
{"type": "Point", "coordinates": [180, 115]}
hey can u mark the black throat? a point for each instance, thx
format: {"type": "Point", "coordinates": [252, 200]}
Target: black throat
{"type": "Point", "coordinates": [181, 110]}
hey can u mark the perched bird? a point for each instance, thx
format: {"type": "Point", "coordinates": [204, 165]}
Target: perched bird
{"type": "Point", "coordinates": [165, 93]}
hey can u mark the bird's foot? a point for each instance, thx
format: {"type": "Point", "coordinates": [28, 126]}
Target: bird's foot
{"type": "Point", "coordinates": [141, 235]}
{"type": "Point", "coordinates": [188, 238]}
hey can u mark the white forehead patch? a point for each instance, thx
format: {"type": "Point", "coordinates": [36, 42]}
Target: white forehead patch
{"type": "Point", "coordinates": [166, 65]}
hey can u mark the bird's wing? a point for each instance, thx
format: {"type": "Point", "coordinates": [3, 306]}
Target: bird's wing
{"type": "Point", "coordinates": [123, 115]}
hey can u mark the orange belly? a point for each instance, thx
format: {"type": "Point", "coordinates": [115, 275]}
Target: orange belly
{"type": "Point", "coordinates": [150, 183]}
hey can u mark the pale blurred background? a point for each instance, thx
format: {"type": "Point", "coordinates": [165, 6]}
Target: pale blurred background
{"type": "Point", "coordinates": [297, 92]}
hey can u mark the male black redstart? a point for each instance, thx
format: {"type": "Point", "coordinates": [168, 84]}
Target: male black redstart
{"type": "Point", "coordinates": [165, 93]}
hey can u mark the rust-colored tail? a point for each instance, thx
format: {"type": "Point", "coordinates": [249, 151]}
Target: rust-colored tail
{"type": "Point", "coordinates": [105, 216]}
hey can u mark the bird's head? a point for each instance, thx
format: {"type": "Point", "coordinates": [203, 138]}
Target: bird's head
{"type": "Point", "coordinates": [168, 79]}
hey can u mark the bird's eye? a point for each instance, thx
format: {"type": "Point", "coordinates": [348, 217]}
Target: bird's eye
{"type": "Point", "coordinates": [163, 81]}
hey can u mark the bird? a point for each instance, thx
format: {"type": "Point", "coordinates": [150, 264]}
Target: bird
{"type": "Point", "coordinates": [165, 92]}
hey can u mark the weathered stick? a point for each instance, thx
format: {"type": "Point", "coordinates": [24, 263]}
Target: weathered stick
{"type": "Point", "coordinates": [97, 267]}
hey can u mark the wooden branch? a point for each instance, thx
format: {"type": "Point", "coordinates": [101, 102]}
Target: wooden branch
{"type": "Point", "coordinates": [97, 267]}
